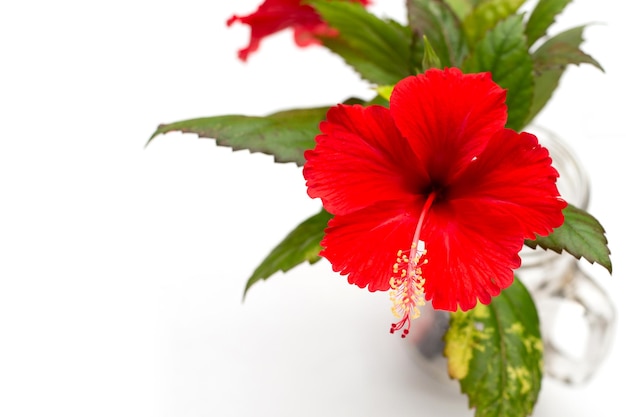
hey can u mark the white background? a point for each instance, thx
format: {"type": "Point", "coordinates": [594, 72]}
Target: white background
{"type": "Point", "coordinates": [122, 268]}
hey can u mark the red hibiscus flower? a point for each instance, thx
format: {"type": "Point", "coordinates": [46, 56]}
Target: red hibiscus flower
{"type": "Point", "coordinates": [433, 197]}
{"type": "Point", "coordinates": [275, 15]}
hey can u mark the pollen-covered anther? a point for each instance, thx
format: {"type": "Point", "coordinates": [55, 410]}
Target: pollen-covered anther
{"type": "Point", "coordinates": [407, 287]}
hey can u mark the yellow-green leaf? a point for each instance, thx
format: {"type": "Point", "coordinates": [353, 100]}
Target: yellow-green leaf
{"type": "Point", "coordinates": [496, 353]}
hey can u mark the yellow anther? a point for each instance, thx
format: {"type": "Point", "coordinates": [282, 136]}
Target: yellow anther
{"type": "Point", "coordinates": [407, 285]}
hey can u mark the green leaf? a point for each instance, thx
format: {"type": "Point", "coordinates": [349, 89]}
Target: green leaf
{"type": "Point", "coordinates": [504, 53]}
{"type": "Point", "coordinates": [496, 353]}
{"type": "Point", "coordinates": [435, 20]}
{"type": "Point", "coordinates": [542, 17]}
{"type": "Point", "coordinates": [285, 135]}
{"type": "Point", "coordinates": [545, 84]}
{"type": "Point", "coordinates": [581, 235]}
{"type": "Point", "coordinates": [384, 91]}
{"type": "Point", "coordinates": [486, 16]}
{"type": "Point", "coordinates": [461, 7]}
{"type": "Point", "coordinates": [431, 60]}
{"type": "Point", "coordinates": [380, 50]}
{"type": "Point", "coordinates": [563, 49]}
{"type": "Point", "coordinates": [301, 245]}
{"type": "Point", "coordinates": [550, 61]}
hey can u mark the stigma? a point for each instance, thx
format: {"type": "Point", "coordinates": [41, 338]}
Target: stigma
{"type": "Point", "coordinates": [407, 286]}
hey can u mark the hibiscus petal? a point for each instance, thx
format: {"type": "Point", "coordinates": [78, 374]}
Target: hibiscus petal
{"type": "Point", "coordinates": [515, 172]}
{"type": "Point", "coordinates": [273, 16]}
{"type": "Point", "coordinates": [364, 244]}
{"type": "Point", "coordinates": [361, 159]}
{"type": "Point", "coordinates": [471, 251]}
{"type": "Point", "coordinates": [448, 117]}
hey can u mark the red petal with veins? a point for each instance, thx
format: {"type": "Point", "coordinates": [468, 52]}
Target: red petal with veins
{"type": "Point", "coordinates": [364, 244]}
{"type": "Point", "coordinates": [361, 159]}
{"type": "Point", "coordinates": [448, 117]}
{"type": "Point", "coordinates": [515, 172]}
{"type": "Point", "coordinates": [442, 140]}
{"type": "Point", "coordinates": [473, 236]}
{"type": "Point", "coordinates": [472, 251]}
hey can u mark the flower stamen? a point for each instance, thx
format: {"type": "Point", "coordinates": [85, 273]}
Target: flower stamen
{"type": "Point", "coordinates": [407, 282]}
{"type": "Point", "coordinates": [407, 287]}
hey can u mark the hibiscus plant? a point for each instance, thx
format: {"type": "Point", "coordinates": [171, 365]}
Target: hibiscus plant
{"type": "Point", "coordinates": [431, 189]}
